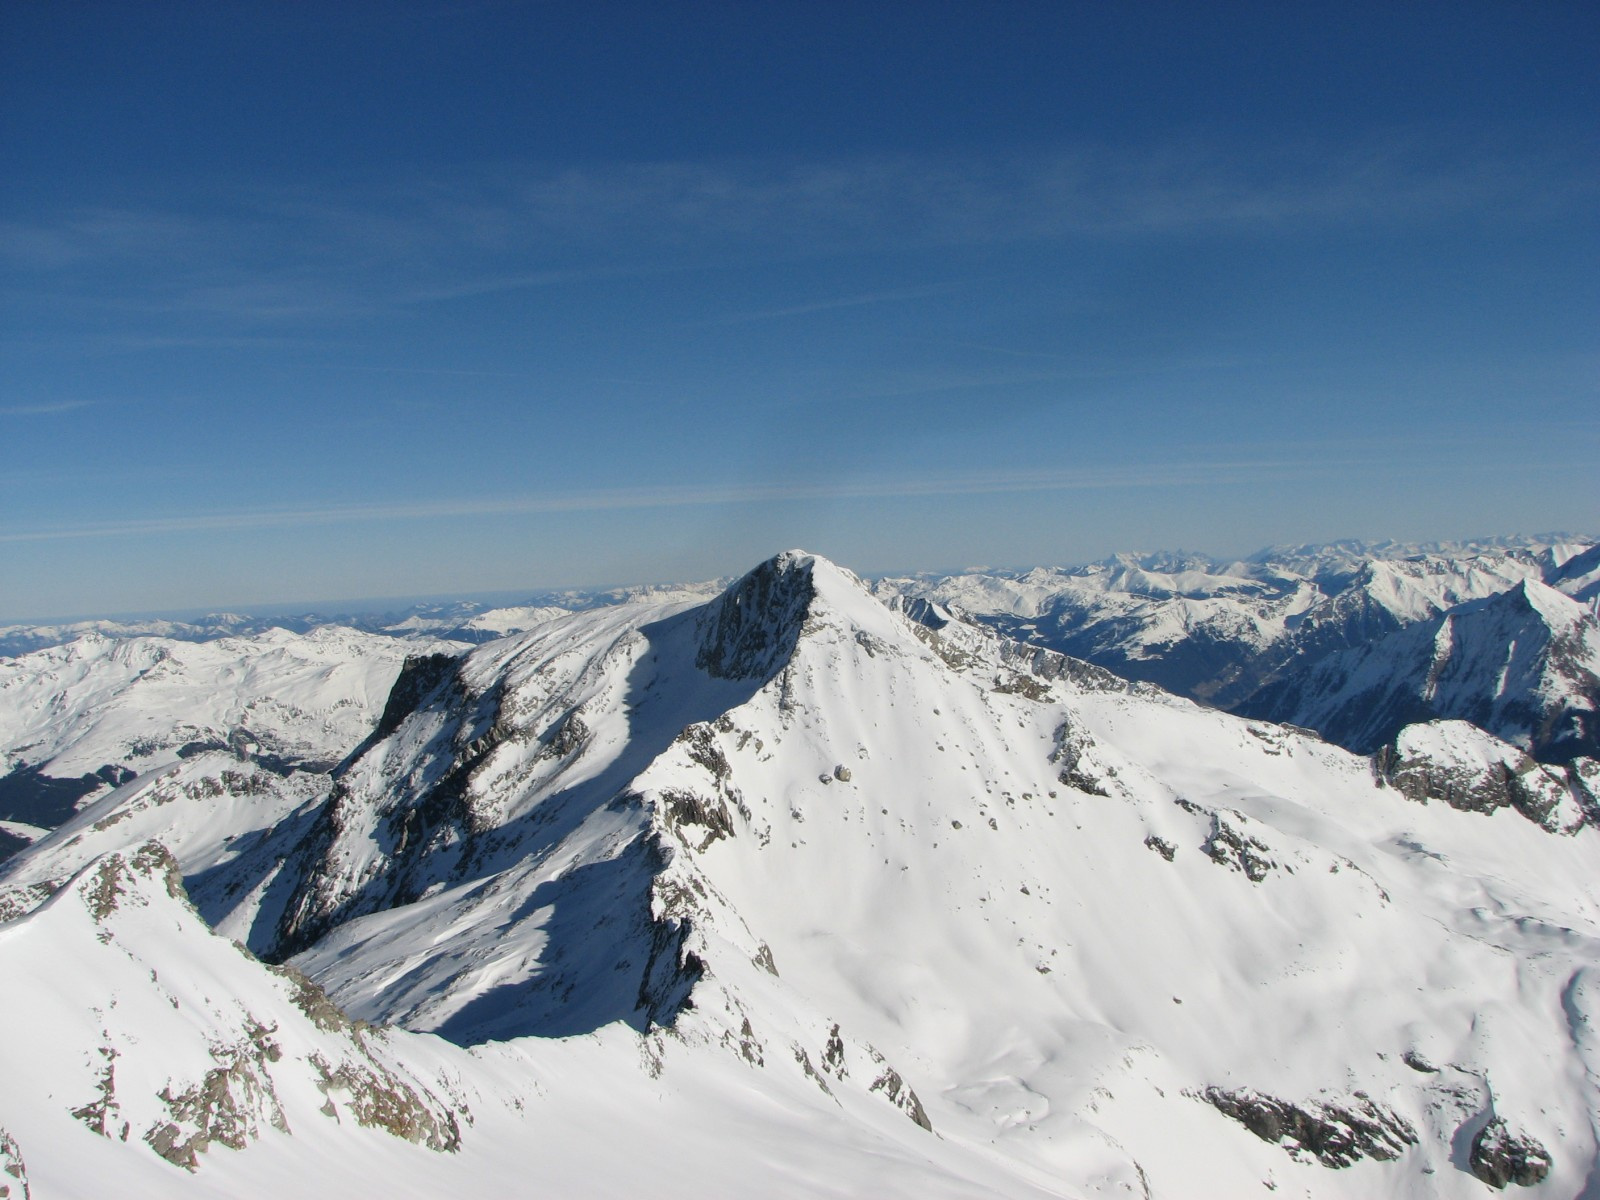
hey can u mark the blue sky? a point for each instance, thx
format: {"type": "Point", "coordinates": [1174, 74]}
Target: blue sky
{"type": "Point", "coordinates": [305, 302]}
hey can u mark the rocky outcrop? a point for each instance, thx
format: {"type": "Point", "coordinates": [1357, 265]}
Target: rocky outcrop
{"type": "Point", "coordinates": [898, 1092]}
{"type": "Point", "coordinates": [1080, 767]}
{"type": "Point", "coordinates": [377, 1099]}
{"type": "Point", "coordinates": [751, 630]}
{"type": "Point", "coordinates": [1229, 846]}
{"type": "Point", "coordinates": [13, 1171]}
{"type": "Point", "coordinates": [114, 878]}
{"type": "Point", "coordinates": [1500, 1156]}
{"type": "Point", "coordinates": [421, 677]}
{"type": "Point", "coordinates": [1335, 1135]}
{"type": "Point", "coordinates": [1459, 764]}
{"type": "Point", "coordinates": [228, 1107]}
{"type": "Point", "coordinates": [248, 1080]}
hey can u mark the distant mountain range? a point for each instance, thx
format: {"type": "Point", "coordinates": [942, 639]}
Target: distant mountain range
{"type": "Point", "coordinates": [1352, 640]}
{"type": "Point", "coordinates": [470, 621]}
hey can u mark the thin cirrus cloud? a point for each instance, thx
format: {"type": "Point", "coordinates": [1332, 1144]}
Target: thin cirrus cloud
{"type": "Point", "coordinates": [894, 296]}
{"type": "Point", "coordinates": [43, 410]}
{"type": "Point", "coordinates": [458, 231]}
{"type": "Point", "coordinates": [620, 499]}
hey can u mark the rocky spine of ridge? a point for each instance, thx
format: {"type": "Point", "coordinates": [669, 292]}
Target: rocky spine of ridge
{"type": "Point", "coordinates": [750, 631]}
{"type": "Point", "coordinates": [437, 823]}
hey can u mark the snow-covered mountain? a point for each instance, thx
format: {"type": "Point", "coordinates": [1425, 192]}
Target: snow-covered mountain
{"type": "Point", "coordinates": [80, 719]}
{"type": "Point", "coordinates": [1246, 635]}
{"type": "Point", "coordinates": [1524, 663]}
{"type": "Point", "coordinates": [788, 893]}
{"type": "Point", "coordinates": [462, 620]}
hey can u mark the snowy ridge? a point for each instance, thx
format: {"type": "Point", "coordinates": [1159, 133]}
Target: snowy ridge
{"type": "Point", "coordinates": [790, 844]}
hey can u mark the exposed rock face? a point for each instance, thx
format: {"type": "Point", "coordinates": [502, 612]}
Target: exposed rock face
{"type": "Point", "coordinates": [750, 632]}
{"type": "Point", "coordinates": [1333, 1134]}
{"type": "Point", "coordinates": [1229, 846]}
{"type": "Point", "coordinates": [1500, 1156]}
{"type": "Point", "coordinates": [1472, 771]}
{"type": "Point", "coordinates": [440, 815]}
{"type": "Point", "coordinates": [310, 999]}
{"type": "Point", "coordinates": [377, 1099]}
{"type": "Point", "coordinates": [672, 968]}
{"type": "Point", "coordinates": [421, 676]}
{"type": "Point", "coordinates": [1080, 767]}
{"type": "Point", "coordinates": [228, 1107]}
{"type": "Point", "coordinates": [13, 1172]}
{"type": "Point", "coordinates": [898, 1092]}
{"type": "Point", "coordinates": [1162, 847]}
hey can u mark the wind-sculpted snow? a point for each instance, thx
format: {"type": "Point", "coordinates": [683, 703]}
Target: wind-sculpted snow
{"type": "Point", "coordinates": [847, 904]}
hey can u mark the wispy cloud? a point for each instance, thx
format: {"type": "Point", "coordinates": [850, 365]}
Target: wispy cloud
{"type": "Point", "coordinates": [857, 301]}
{"type": "Point", "coordinates": [257, 254]}
{"type": "Point", "coordinates": [42, 410]}
{"type": "Point", "coordinates": [688, 496]}
{"type": "Point", "coordinates": [450, 371]}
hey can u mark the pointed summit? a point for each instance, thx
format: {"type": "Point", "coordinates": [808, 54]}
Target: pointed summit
{"type": "Point", "coordinates": [1554, 609]}
{"type": "Point", "coordinates": [750, 631]}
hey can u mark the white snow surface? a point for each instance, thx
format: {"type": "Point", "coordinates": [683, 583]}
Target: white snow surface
{"type": "Point", "coordinates": [875, 860]}
{"type": "Point", "coordinates": [134, 702]}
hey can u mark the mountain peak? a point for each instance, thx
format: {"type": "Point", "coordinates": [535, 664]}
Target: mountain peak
{"type": "Point", "coordinates": [1554, 608]}
{"type": "Point", "coordinates": [750, 630]}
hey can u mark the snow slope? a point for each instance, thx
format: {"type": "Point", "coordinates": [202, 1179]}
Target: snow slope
{"type": "Point", "coordinates": [144, 1056]}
